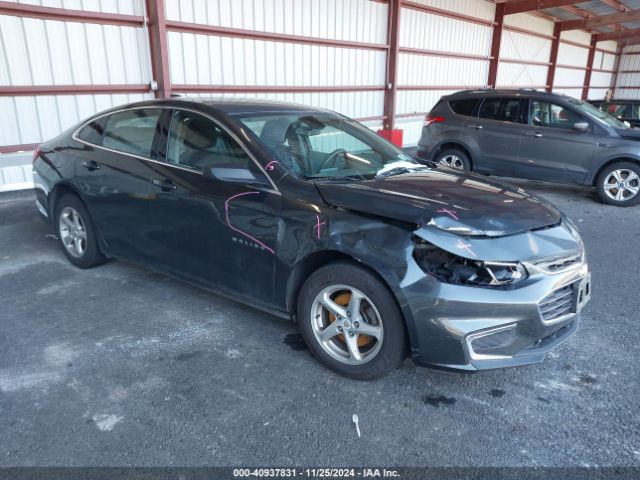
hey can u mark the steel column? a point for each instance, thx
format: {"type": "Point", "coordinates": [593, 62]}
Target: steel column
{"type": "Point", "coordinates": [393, 40]}
{"type": "Point", "coordinates": [496, 40]}
{"type": "Point", "coordinates": [587, 73]}
{"type": "Point", "coordinates": [553, 58]}
{"type": "Point", "coordinates": [159, 51]}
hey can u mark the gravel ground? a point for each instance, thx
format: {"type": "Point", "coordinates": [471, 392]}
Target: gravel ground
{"type": "Point", "coordinates": [121, 366]}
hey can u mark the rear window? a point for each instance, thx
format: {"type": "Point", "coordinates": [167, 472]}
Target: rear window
{"type": "Point", "coordinates": [131, 131]}
{"type": "Point", "coordinates": [92, 132]}
{"type": "Point", "coordinates": [464, 107]}
{"type": "Point", "coordinates": [502, 109]}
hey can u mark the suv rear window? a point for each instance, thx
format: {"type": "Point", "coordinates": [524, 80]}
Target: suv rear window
{"type": "Point", "coordinates": [464, 107]}
{"type": "Point", "coordinates": [502, 109]}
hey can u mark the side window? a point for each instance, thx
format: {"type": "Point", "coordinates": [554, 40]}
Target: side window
{"type": "Point", "coordinates": [196, 142]}
{"type": "Point", "coordinates": [544, 114]}
{"type": "Point", "coordinates": [501, 109]}
{"type": "Point", "coordinates": [92, 132]}
{"type": "Point", "coordinates": [464, 107]}
{"type": "Point", "coordinates": [131, 131]}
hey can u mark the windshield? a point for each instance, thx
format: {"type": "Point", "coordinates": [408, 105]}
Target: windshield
{"type": "Point", "coordinates": [325, 145]}
{"type": "Point", "coordinates": [597, 113]}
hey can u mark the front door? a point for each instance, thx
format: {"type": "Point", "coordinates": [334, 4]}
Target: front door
{"type": "Point", "coordinates": [218, 233]}
{"type": "Point", "coordinates": [552, 149]}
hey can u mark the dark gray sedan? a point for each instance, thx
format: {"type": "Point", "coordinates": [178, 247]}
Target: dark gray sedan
{"type": "Point", "coordinates": [538, 136]}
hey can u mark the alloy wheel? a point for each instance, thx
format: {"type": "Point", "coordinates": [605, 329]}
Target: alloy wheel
{"type": "Point", "coordinates": [72, 232]}
{"type": "Point", "coordinates": [452, 161]}
{"type": "Point", "coordinates": [346, 324]}
{"type": "Point", "coordinates": [622, 185]}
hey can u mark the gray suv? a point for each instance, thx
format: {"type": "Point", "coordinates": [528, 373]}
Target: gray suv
{"type": "Point", "coordinates": [535, 135]}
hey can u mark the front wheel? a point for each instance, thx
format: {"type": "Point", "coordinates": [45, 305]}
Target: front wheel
{"type": "Point", "coordinates": [351, 322]}
{"type": "Point", "coordinates": [619, 184]}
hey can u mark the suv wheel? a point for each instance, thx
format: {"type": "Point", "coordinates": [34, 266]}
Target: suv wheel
{"type": "Point", "coordinates": [619, 184]}
{"type": "Point", "coordinates": [76, 233]}
{"type": "Point", "coordinates": [350, 322]}
{"type": "Point", "coordinates": [455, 159]}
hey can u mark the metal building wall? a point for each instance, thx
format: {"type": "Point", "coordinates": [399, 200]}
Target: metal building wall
{"type": "Point", "coordinates": [443, 48]}
{"type": "Point", "coordinates": [628, 80]}
{"type": "Point", "coordinates": [35, 52]}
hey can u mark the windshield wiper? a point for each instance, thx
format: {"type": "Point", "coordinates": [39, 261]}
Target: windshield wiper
{"type": "Point", "coordinates": [399, 170]}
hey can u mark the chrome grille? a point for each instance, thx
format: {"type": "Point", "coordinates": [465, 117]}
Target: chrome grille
{"type": "Point", "coordinates": [558, 303]}
{"type": "Point", "coordinates": [559, 263]}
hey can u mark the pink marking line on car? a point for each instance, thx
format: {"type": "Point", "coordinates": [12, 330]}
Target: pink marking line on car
{"type": "Point", "coordinates": [466, 247]}
{"type": "Point", "coordinates": [318, 225]}
{"type": "Point", "coordinates": [226, 211]}
{"type": "Point", "coordinates": [271, 165]}
{"type": "Point", "coordinates": [452, 213]}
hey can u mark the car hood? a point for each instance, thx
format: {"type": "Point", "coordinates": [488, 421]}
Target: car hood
{"type": "Point", "coordinates": [630, 133]}
{"type": "Point", "coordinates": [456, 203]}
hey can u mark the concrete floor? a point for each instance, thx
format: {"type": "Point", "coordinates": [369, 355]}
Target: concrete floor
{"type": "Point", "coordinates": [121, 366]}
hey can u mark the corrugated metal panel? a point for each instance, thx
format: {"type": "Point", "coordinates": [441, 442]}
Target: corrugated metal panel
{"type": "Point", "coordinates": [572, 55]}
{"type": "Point", "coordinates": [48, 52]}
{"type": "Point", "coordinates": [597, 93]}
{"type": "Point", "coordinates": [530, 22]}
{"type": "Point", "coordinates": [35, 119]}
{"type": "Point", "coordinates": [603, 61]}
{"type": "Point", "coordinates": [333, 19]}
{"type": "Point", "coordinates": [568, 77]}
{"type": "Point", "coordinates": [578, 36]}
{"type": "Point", "coordinates": [125, 7]}
{"type": "Point", "coordinates": [610, 45]}
{"type": "Point", "coordinates": [478, 9]}
{"type": "Point", "coordinates": [429, 70]}
{"type": "Point", "coordinates": [520, 46]}
{"type": "Point", "coordinates": [435, 32]}
{"type": "Point", "coordinates": [203, 59]}
{"type": "Point", "coordinates": [411, 129]}
{"type": "Point", "coordinates": [514, 74]}
{"type": "Point", "coordinates": [600, 79]}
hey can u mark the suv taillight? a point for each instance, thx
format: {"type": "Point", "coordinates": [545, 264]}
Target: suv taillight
{"type": "Point", "coordinates": [429, 119]}
{"type": "Point", "coordinates": [36, 154]}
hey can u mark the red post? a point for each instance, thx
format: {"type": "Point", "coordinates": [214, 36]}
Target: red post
{"type": "Point", "coordinates": [391, 87]}
{"type": "Point", "coordinates": [553, 58]}
{"type": "Point", "coordinates": [496, 40]}
{"type": "Point", "coordinates": [157, 24]}
{"type": "Point", "coordinates": [587, 72]}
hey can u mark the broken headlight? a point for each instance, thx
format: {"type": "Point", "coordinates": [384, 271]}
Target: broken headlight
{"type": "Point", "coordinates": [450, 268]}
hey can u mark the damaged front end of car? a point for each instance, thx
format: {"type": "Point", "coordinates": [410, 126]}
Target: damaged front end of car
{"type": "Point", "coordinates": [489, 300]}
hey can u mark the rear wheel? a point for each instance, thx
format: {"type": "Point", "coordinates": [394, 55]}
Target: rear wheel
{"type": "Point", "coordinates": [619, 184]}
{"type": "Point", "coordinates": [455, 159]}
{"type": "Point", "coordinates": [76, 233]}
{"type": "Point", "coordinates": [350, 322]}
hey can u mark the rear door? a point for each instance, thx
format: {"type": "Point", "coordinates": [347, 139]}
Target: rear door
{"type": "Point", "coordinates": [113, 173]}
{"type": "Point", "coordinates": [496, 133]}
{"type": "Point", "coordinates": [552, 150]}
{"type": "Point", "coordinates": [212, 232]}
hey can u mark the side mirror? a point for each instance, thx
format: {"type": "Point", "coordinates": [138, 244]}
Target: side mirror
{"type": "Point", "coordinates": [581, 126]}
{"type": "Point", "coordinates": [230, 174]}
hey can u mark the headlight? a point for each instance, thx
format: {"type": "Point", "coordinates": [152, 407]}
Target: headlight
{"type": "Point", "coordinates": [450, 268]}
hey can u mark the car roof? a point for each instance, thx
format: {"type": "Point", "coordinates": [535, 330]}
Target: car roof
{"type": "Point", "coordinates": [229, 106]}
{"type": "Point", "coordinates": [523, 92]}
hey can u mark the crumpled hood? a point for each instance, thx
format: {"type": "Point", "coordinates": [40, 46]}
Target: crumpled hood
{"type": "Point", "coordinates": [457, 203]}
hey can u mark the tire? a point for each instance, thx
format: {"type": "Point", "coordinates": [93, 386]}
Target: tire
{"type": "Point", "coordinates": [77, 235]}
{"type": "Point", "coordinates": [454, 158]}
{"type": "Point", "coordinates": [620, 173]}
{"type": "Point", "coordinates": [378, 314]}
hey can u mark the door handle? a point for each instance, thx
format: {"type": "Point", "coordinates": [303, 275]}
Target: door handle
{"type": "Point", "coordinates": [534, 134]}
{"type": "Point", "coordinates": [602, 145]}
{"type": "Point", "coordinates": [90, 165]}
{"type": "Point", "coordinates": [477, 127]}
{"type": "Point", "coordinates": [165, 184]}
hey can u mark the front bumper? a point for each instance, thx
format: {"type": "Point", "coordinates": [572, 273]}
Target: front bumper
{"type": "Point", "coordinates": [470, 328]}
